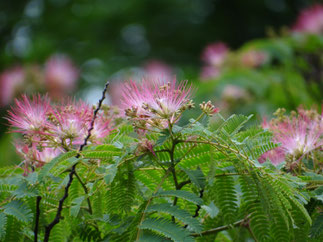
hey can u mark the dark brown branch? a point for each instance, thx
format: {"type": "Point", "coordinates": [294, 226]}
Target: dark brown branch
{"type": "Point", "coordinates": [37, 218]}
{"type": "Point", "coordinates": [198, 207]}
{"type": "Point", "coordinates": [221, 228]}
{"type": "Point", "coordinates": [57, 218]}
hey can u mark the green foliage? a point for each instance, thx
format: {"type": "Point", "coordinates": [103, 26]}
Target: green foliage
{"type": "Point", "coordinates": [204, 183]}
{"type": "Point", "coordinates": [167, 228]}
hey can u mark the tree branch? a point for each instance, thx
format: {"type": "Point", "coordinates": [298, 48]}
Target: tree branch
{"type": "Point", "coordinates": [37, 218]}
{"type": "Point", "coordinates": [221, 228]}
{"type": "Point", "coordinates": [57, 218]}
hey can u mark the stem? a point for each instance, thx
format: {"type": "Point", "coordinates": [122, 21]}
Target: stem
{"type": "Point", "coordinates": [37, 218]}
{"type": "Point", "coordinates": [150, 199]}
{"type": "Point", "coordinates": [221, 228]}
{"type": "Point", "coordinates": [85, 190]}
{"type": "Point", "coordinates": [57, 218]}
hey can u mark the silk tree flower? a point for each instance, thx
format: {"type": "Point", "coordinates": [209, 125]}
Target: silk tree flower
{"type": "Point", "coordinates": [101, 129]}
{"type": "Point", "coordinates": [11, 81]}
{"type": "Point", "coordinates": [156, 104]}
{"type": "Point", "coordinates": [215, 54]}
{"type": "Point", "coordinates": [36, 155]}
{"type": "Point", "coordinates": [72, 120]}
{"type": "Point", "coordinates": [209, 72]}
{"type": "Point", "coordinates": [60, 75]}
{"type": "Point", "coordinates": [254, 58]}
{"type": "Point", "coordinates": [157, 70]}
{"type": "Point", "coordinates": [298, 135]}
{"type": "Point", "coordinates": [30, 116]}
{"type": "Point", "coordinates": [310, 20]}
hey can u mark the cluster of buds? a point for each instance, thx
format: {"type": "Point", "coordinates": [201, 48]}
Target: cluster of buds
{"type": "Point", "coordinates": [49, 130]}
{"type": "Point", "coordinates": [155, 104]}
{"type": "Point", "coordinates": [208, 108]}
{"type": "Point", "coordinates": [299, 134]}
{"type": "Point", "coordinates": [144, 146]}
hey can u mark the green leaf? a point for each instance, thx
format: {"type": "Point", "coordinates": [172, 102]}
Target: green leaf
{"type": "Point", "coordinates": [317, 228]}
{"type": "Point", "coordinates": [180, 214]}
{"type": "Point", "coordinates": [3, 223]}
{"type": "Point", "coordinates": [46, 168]}
{"type": "Point", "coordinates": [76, 205]}
{"type": "Point", "coordinates": [167, 229]}
{"type": "Point", "coordinates": [19, 211]}
{"type": "Point", "coordinates": [111, 171]}
{"type": "Point", "coordinates": [196, 176]}
{"type": "Point", "coordinates": [211, 209]}
{"type": "Point", "coordinates": [181, 194]}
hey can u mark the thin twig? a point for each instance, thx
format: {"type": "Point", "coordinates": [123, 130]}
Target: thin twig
{"type": "Point", "coordinates": [221, 228]}
{"type": "Point", "coordinates": [85, 190]}
{"type": "Point", "coordinates": [57, 218]}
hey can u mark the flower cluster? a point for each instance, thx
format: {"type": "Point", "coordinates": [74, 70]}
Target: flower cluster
{"type": "Point", "coordinates": [58, 78]}
{"type": "Point", "coordinates": [155, 104]}
{"type": "Point", "coordinates": [310, 20]}
{"type": "Point", "coordinates": [52, 129]}
{"type": "Point", "coordinates": [299, 134]}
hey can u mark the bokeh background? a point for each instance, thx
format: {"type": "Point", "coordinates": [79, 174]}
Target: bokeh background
{"type": "Point", "coordinates": [267, 53]}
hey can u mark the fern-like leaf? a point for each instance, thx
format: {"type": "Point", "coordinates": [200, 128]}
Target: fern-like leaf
{"type": "Point", "coordinates": [181, 194]}
{"type": "Point", "coordinates": [180, 214]}
{"type": "Point", "coordinates": [19, 210]}
{"type": "Point", "coordinates": [167, 229]}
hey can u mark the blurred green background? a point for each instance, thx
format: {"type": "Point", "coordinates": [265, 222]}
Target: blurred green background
{"type": "Point", "coordinates": [109, 39]}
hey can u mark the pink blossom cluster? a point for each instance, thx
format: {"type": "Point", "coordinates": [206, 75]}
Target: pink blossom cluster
{"type": "Point", "coordinates": [154, 103]}
{"type": "Point", "coordinates": [299, 134]}
{"type": "Point", "coordinates": [214, 56]}
{"type": "Point", "coordinates": [310, 20]}
{"type": "Point", "coordinates": [58, 78]}
{"type": "Point", "coordinates": [153, 70]}
{"type": "Point", "coordinates": [49, 130]}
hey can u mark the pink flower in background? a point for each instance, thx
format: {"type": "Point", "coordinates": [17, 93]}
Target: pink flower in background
{"type": "Point", "coordinates": [298, 135]}
{"type": "Point", "coordinates": [234, 93]}
{"type": "Point", "coordinates": [215, 54]}
{"type": "Point", "coordinates": [157, 70]}
{"type": "Point", "coordinates": [10, 82]}
{"type": "Point", "coordinates": [60, 75]}
{"type": "Point", "coordinates": [310, 20]}
{"type": "Point", "coordinates": [254, 58]}
{"type": "Point", "coordinates": [30, 116]}
{"type": "Point", "coordinates": [209, 72]}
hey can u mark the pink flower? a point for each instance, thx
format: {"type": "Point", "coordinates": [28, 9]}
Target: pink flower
{"type": "Point", "coordinates": [298, 135]}
{"type": "Point", "coordinates": [254, 58]}
{"type": "Point", "coordinates": [36, 156]}
{"type": "Point", "coordinates": [30, 116]}
{"type": "Point", "coordinates": [209, 72]}
{"type": "Point", "coordinates": [101, 129]}
{"type": "Point", "coordinates": [157, 70]}
{"type": "Point", "coordinates": [215, 54]}
{"type": "Point", "coordinates": [155, 102]}
{"type": "Point", "coordinates": [10, 81]}
{"type": "Point", "coordinates": [276, 156]}
{"type": "Point", "coordinates": [310, 20]}
{"type": "Point", "coordinates": [72, 121]}
{"type": "Point", "coordinates": [60, 75]}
